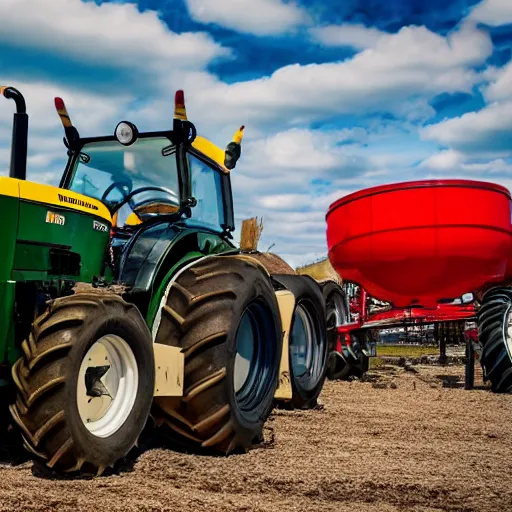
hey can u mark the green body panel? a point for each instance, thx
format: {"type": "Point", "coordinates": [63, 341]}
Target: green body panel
{"type": "Point", "coordinates": [27, 243]}
{"type": "Point", "coordinates": [7, 345]}
{"type": "Point", "coordinates": [9, 206]}
{"type": "Point", "coordinates": [36, 237]}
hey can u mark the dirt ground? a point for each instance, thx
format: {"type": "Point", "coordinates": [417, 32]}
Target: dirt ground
{"type": "Point", "coordinates": [401, 441]}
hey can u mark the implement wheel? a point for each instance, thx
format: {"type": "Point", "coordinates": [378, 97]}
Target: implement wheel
{"type": "Point", "coordinates": [85, 383]}
{"type": "Point", "coordinates": [223, 313]}
{"type": "Point", "coordinates": [308, 343]}
{"type": "Point", "coordinates": [361, 364]}
{"type": "Point", "coordinates": [354, 363]}
{"type": "Point", "coordinates": [495, 334]}
{"type": "Point", "coordinates": [336, 315]}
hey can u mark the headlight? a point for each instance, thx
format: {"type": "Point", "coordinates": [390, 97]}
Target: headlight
{"type": "Point", "coordinates": [126, 133]}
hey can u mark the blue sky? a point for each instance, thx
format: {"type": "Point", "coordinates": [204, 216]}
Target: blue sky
{"type": "Point", "coordinates": [335, 96]}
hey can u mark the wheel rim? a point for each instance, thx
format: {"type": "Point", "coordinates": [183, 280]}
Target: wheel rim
{"type": "Point", "coordinates": [245, 341]}
{"type": "Point", "coordinates": [255, 357]}
{"type": "Point", "coordinates": [306, 348]}
{"type": "Point", "coordinates": [107, 385]}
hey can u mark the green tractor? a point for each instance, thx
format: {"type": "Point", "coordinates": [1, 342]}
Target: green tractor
{"type": "Point", "coordinates": [126, 299]}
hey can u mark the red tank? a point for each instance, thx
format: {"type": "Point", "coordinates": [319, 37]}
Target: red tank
{"type": "Point", "coordinates": [423, 241]}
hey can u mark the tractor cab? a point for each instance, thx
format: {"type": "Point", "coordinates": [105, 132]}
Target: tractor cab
{"type": "Point", "coordinates": [174, 177]}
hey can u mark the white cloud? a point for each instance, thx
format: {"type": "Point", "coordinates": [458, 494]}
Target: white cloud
{"type": "Point", "coordinates": [487, 132]}
{"type": "Point", "coordinates": [443, 161]}
{"type": "Point", "coordinates": [5, 158]}
{"type": "Point", "coordinates": [457, 163]}
{"type": "Point", "coordinates": [259, 17]}
{"type": "Point", "coordinates": [90, 113]}
{"type": "Point", "coordinates": [501, 87]}
{"type": "Point", "coordinates": [109, 34]}
{"type": "Point", "coordinates": [284, 201]}
{"type": "Point", "coordinates": [354, 35]}
{"type": "Point", "coordinates": [403, 71]}
{"type": "Point", "coordinates": [492, 12]}
{"type": "Point", "coordinates": [299, 150]}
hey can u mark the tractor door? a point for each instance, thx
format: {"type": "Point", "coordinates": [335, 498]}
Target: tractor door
{"type": "Point", "coordinates": [211, 197]}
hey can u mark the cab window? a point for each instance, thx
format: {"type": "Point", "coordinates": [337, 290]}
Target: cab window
{"type": "Point", "coordinates": [207, 190]}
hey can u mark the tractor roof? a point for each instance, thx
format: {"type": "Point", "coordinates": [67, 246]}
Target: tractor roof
{"type": "Point", "coordinates": [183, 132]}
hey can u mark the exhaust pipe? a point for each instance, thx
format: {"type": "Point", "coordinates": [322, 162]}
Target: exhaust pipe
{"type": "Point", "coordinates": [18, 167]}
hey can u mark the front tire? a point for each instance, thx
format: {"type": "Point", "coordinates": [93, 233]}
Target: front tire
{"type": "Point", "coordinates": [223, 313]}
{"type": "Point", "coordinates": [495, 334]}
{"type": "Point", "coordinates": [85, 383]}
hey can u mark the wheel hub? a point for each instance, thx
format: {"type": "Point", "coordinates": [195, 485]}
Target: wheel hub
{"type": "Point", "coordinates": [93, 383]}
{"type": "Point", "coordinates": [305, 348]}
{"type": "Point", "coordinates": [107, 385]}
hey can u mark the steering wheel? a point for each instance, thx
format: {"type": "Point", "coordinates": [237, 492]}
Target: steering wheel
{"type": "Point", "coordinates": [127, 198]}
{"type": "Point", "coordinates": [122, 185]}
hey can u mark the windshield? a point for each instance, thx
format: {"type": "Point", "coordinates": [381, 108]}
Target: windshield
{"type": "Point", "coordinates": [109, 171]}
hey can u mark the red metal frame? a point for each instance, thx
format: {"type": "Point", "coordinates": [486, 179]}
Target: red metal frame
{"type": "Point", "coordinates": [401, 317]}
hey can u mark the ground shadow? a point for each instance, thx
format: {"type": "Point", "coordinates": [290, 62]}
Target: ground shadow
{"type": "Point", "coordinates": [12, 452]}
{"type": "Point", "coordinates": [148, 440]}
{"type": "Point", "coordinates": [451, 381]}
{"type": "Point", "coordinates": [457, 382]}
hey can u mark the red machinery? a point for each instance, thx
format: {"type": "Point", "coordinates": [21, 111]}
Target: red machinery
{"type": "Point", "coordinates": [419, 246]}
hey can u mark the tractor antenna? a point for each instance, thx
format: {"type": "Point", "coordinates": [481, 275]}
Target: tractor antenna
{"type": "Point", "coordinates": [71, 132]}
{"type": "Point", "coordinates": [180, 111]}
{"type": "Point", "coordinates": [183, 130]}
{"type": "Point", "coordinates": [234, 149]}
{"type": "Point", "coordinates": [18, 168]}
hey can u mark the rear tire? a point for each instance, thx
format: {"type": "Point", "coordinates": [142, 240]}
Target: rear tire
{"type": "Point", "coordinates": [307, 337]}
{"type": "Point", "coordinates": [60, 420]}
{"type": "Point", "coordinates": [495, 334]}
{"type": "Point", "coordinates": [219, 311]}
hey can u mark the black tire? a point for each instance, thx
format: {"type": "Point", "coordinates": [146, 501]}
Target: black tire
{"type": "Point", "coordinates": [336, 314]}
{"type": "Point", "coordinates": [493, 320]}
{"type": "Point", "coordinates": [202, 315]}
{"type": "Point", "coordinates": [307, 379]}
{"type": "Point", "coordinates": [46, 377]}
{"type": "Point", "coordinates": [362, 364]}
{"type": "Point", "coordinates": [340, 367]}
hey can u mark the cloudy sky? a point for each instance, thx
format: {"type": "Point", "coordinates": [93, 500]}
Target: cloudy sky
{"type": "Point", "coordinates": [335, 96]}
